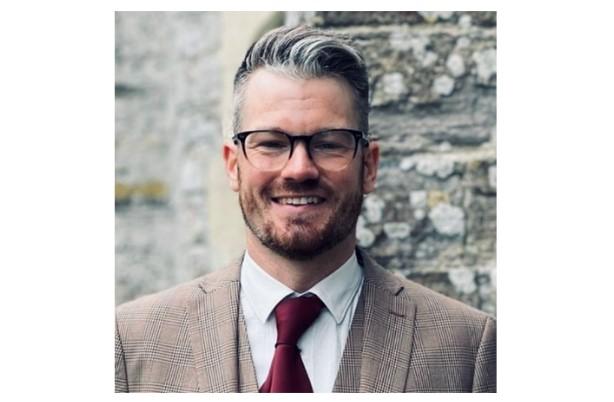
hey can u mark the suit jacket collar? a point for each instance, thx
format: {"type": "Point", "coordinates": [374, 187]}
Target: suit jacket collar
{"type": "Point", "coordinates": [376, 355]}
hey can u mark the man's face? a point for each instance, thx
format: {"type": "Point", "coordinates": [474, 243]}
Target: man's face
{"type": "Point", "coordinates": [268, 199]}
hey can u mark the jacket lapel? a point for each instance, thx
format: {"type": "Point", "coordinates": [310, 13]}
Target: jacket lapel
{"type": "Point", "coordinates": [247, 372]}
{"type": "Point", "coordinates": [218, 336]}
{"type": "Point", "coordinates": [348, 376]}
{"type": "Point", "coordinates": [384, 319]}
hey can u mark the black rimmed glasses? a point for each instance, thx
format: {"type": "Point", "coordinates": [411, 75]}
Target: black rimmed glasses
{"type": "Point", "coordinates": [331, 149]}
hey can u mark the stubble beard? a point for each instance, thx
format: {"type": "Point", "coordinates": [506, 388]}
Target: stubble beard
{"type": "Point", "coordinates": [300, 238]}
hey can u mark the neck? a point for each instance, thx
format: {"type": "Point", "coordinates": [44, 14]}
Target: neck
{"type": "Point", "coordinates": [300, 275]}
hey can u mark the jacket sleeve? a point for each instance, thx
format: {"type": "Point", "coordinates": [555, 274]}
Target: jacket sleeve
{"type": "Point", "coordinates": [121, 378]}
{"type": "Point", "coordinates": [485, 374]}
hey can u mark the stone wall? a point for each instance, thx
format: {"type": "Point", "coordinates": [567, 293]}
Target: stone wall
{"type": "Point", "coordinates": [167, 132]}
{"type": "Point", "coordinates": [433, 83]}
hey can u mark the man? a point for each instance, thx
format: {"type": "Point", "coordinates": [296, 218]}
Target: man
{"type": "Point", "coordinates": [303, 310]}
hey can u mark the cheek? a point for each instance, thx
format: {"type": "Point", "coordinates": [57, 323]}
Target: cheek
{"type": "Point", "coordinates": [356, 180]}
{"type": "Point", "coordinates": [252, 182]}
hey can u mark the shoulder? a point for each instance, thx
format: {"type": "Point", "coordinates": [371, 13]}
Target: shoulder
{"type": "Point", "coordinates": [430, 305]}
{"type": "Point", "coordinates": [176, 299]}
{"type": "Point", "coordinates": [173, 299]}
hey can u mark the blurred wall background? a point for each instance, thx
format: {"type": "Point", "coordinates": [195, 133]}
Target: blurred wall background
{"type": "Point", "coordinates": [433, 84]}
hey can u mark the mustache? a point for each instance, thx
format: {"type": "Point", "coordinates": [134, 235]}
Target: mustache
{"type": "Point", "coordinates": [298, 187]}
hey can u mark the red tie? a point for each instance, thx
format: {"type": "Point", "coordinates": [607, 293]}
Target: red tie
{"type": "Point", "coordinates": [287, 372]}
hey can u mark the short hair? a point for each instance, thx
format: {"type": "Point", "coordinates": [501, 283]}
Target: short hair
{"type": "Point", "coordinates": [305, 52]}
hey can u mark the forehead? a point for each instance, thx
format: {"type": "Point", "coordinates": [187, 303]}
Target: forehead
{"type": "Point", "coordinates": [275, 100]}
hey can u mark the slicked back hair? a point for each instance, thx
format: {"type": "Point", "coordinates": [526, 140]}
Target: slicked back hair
{"type": "Point", "coordinates": [303, 52]}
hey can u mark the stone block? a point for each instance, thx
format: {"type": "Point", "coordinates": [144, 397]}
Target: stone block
{"type": "Point", "coordinates": [484, 19]}
{"type": "Point", "coordinates": [347, 18]}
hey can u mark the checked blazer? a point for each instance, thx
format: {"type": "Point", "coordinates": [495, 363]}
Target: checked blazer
{"type": "Point", "coordinates": [403, 338]}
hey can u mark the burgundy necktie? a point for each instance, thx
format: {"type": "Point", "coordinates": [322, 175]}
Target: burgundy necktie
{"type": "Point", "coordinates": [287, 372]}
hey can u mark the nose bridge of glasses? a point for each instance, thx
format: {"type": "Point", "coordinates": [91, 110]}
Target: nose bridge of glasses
{"type": "Point", "coordinates": [300, 164]}
{"type": "Point", "coordinates": [296, 140]}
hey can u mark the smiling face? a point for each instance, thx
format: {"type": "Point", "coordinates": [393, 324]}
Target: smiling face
{"type": "Point", "coordinates": [300, 210]}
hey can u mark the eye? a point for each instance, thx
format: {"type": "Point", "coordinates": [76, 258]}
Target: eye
{"type": "Point", "coordinates": [266, 141]}
{"type": "Point", "coordinates": [333, 143]}
{"type": "Point", "coordinates": [328, 146]}
{"type": "Point", "coordinates": [271, 144]}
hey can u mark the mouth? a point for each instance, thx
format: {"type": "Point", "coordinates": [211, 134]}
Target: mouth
{"type": "Point", "coordinates": [298, 201]}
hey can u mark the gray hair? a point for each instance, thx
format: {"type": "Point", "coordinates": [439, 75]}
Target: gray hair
{"type": "Point", "coordinates": [304, 52]}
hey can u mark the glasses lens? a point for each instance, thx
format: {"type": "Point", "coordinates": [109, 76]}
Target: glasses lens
{"type": "Point", "coordinates": [333, 150]}
{"type": "Point", "coordinates": [267, 150]}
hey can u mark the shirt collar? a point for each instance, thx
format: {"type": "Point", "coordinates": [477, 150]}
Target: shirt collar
{"type": "Point", "coordinates": [336, 291]}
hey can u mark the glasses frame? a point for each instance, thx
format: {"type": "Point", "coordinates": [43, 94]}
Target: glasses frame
{"type": "Point", "coordinates": [359, 136]}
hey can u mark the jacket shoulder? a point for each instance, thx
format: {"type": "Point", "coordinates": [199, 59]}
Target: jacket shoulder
{"type": "Point", "coordinates": [179, 296]}
{"type": "Point", "coordinates": [169, 299]}
{"type": "Point", "coordinates": [428, 302]}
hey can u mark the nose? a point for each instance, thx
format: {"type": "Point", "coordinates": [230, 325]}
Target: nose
{"type": "Point", "coordinates": [300, 167]}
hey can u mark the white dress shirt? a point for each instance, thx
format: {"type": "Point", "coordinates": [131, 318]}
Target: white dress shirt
{"type": "Point", "coordinates": [323, 342]}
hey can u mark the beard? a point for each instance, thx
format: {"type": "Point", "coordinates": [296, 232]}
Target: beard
{"type": "Point", "coordinates": [301, 238]}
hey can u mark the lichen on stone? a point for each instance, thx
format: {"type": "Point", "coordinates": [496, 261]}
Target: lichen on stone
{"type": "Point", "coordinates": [407, 163]}
{"type": "Point", "coordinates": [447, 219]}
{"type": "Point", "coordinates": [397, 230]}
{"type": "Point", "coordinates": [374, 206]}
{"type": "Point", "coordinates": [463, 280]}
{"type": "Point", "coordinates": [417, 199]}
{"type": "Point", "coordinates": [440, 167]}
{"type": "Point", "coordinates": [486, 65]}
{"type": "Point", "coordinates": [456, 65]}
{"type": "Point", "coordinates": [443, 85]}
{"type": "Point", "coordinates": [433, 16]}
{"type": "Point", "coordinates": [492, 176]}
{"type": "Point", "coordinates": [464, 21]}
{"type": "Point", "coordinates": [365, 237]}
{"type": "Point", "coordinates": [390, 88]}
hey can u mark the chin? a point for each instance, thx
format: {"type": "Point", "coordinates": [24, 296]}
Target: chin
{"type": "Point", "coordinates": [301, 251]}
{"type": "Point", "coordinates": [302, 241]}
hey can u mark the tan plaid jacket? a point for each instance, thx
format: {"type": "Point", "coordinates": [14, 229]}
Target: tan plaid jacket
{"type": "Point", "coordinates": [404, 338]}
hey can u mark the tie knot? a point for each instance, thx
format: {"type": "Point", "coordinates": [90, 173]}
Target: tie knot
{"type": "Point", "coordinates": [294, 315]}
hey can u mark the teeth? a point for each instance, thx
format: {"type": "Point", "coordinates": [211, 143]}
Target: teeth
{"type": "Point", "coordinates": [299, 200]}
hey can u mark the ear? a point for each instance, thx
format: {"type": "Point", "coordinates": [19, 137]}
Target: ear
{"type": "Point", "coordinates": [229, 154]}
{"type": "Point", "coordinates": [370, 163]}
